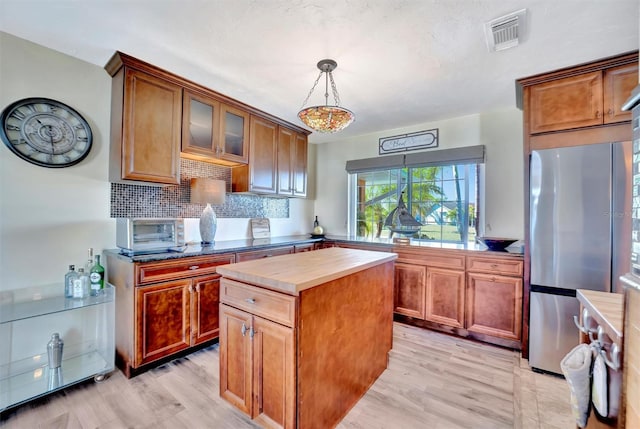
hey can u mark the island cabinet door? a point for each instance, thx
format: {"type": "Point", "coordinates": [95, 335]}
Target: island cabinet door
{"type": "Point", "coordinates": [205, 307]}
{"type": "Point", "coordinates": [273, 374]}
{"type": "Point", "coordinates": [494, 305]}
{"type": "Point", "coordinates": [162, 320]}
{"type": "Point", "coordinates": [235, 357]}
{"type": "Point", "coordinates": [409, 290]}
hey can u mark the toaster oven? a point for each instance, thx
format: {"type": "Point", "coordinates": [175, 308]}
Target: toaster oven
{"type": "Point", "coordinates": [136, 236]}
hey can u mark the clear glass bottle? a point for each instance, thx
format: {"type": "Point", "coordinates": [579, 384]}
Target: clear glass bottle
{"type": "Point", "coordinates": [89, 264]}
{"type": "Point", "coordinates": [96, 277]}
{"type": "Point", "coordinates": [81, 285]}
{"type": "Point", "coordinates": [68, 281]}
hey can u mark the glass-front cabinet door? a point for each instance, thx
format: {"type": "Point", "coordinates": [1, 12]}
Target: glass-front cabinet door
{"type": "Point", "coordinates": [201, 125]}
{"type": "Point", "coordinates": [234, 138]}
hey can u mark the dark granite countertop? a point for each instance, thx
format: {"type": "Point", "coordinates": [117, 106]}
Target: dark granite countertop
{"type": "Point", "coordinates": [230, 246]}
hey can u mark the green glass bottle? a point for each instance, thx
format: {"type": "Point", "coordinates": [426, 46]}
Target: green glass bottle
{"type": "Point", "coordinates": [97, 277]}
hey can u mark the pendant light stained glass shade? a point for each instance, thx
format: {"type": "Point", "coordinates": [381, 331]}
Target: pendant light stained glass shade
{"type": "Point", "coordinates": [327, 118]}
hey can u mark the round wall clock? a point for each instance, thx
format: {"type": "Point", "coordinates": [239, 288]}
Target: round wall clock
{"type": "Point", "coordinates": [45, 132]}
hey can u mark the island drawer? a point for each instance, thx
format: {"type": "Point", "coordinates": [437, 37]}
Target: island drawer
{"type": "Point", "coordinates": [154, 272]}
{"type": "Point", "coordinates": [261, 302]}
{"type": "Point", "coordinates": [506, 267]}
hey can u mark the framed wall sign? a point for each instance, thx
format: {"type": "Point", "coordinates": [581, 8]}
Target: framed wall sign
{"type": "Point", "coordinates": [406, 142]}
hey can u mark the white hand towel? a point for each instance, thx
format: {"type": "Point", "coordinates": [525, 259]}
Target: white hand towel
{"type": "Point", "coordinates": [576, 366]}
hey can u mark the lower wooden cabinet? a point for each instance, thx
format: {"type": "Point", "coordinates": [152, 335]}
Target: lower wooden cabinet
{"type": "Point", "coordinates": [257, 362]}
{"type": "Point", "coordinates": [445, 296]}
{"type": "Point", "coordinates": [409, 291]}
{"type": "Point", "coordinates": [174, 316]}
{"type": "Point", "coordinates": [472, 296]}
{"type": "Point", "coordinates": [494, 297]}
{"type": "Point", "coordinates": [494, 305]}
{"type": "Point", "coordinates": [164, 307]}
{"type": "Point", "coordinates": [429, 286]}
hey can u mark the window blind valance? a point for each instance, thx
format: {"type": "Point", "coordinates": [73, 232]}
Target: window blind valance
{"type": "Point", "coordinates": [458, 155]}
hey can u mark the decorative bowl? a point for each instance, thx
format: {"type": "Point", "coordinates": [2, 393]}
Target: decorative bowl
{"type": "Point", "coordinates": [496, 244]}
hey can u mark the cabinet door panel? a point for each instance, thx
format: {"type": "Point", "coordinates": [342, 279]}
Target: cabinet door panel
{"type": "Point", "coordinates": [201, 126]}
{"type": "Point", "coordinates": [162, 320]}
{"type": "Point", "coordinates": [151, 129]}
{"type": "Point", "coordinates": [300, 166]}
{"type": "Point", "coordinates": [409, 290]}
{"type": "Point", "coordinates": [263, 150]}
{"type": "Point", "coordinates": [274, 374]}
{"type": "Point", "coordinates": [567, 103]}
{"type": "Point", "coordinates": [205, 322]}
{"type": "Point", "coordinates": [494, 305]}
{"type": "Point", "coordinates": [235, 358]}
{"type": "Point", "coordinates": [445, 297]}
{"type": "Point", "coordinates": [234, 128]}
{"type": "Point", "coordinates": [286, 146]}
{"type": "Point", "coordinates": [618, 84]}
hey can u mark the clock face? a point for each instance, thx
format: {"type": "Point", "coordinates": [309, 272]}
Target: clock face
{"type": "Point", "coordinates": [45, 132]}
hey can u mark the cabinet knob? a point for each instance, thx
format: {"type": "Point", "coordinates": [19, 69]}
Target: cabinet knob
{"type": "Point", "coordinates": [194, 267]}
{"type": "Point", "coordinates": [597, 114]}
{"type": "Point", "coordinates": [251, 333]}
{"type": "Point", "coordinates": [190, 288]}
{"type": "Point", "coordinates": [251, 300]}
{"type": "Point", "coordinates": [198, 288]}
{"type": "Point", "coordinates": [493, 279]}
{"type": "Point", "coordinates": [494, 265]}
{"type": "Point", "coordinates": [610, 112]}
{"type": "Point", "coordinates": [243, 329]}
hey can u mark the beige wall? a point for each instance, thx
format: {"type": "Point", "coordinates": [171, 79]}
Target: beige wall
{"type": "Point", "coordinates": [502, 210]}
{"type": "Point", "coordinates": [50, 217]}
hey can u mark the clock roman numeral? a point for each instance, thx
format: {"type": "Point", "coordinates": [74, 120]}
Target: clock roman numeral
{"type": "Point", "coordinates": [13, 127]}
{"type": "Point", "coordinates": [82, 139]}
{"type": "Point", "coordinates": [18, 115]}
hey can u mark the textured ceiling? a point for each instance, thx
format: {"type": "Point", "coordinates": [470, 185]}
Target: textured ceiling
{"type": "Point", "coordinates": [400, 62]}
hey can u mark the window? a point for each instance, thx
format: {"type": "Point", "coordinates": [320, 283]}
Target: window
{"type": "Point", "coordinates": [443, 198]}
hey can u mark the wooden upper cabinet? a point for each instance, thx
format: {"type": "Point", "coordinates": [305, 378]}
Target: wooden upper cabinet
{"type": "Point", "coordinates": [583, 96]}
{"type": "Point", "coordinates": [618, 84]}
{"type": "Point", "coordinates": [213, 131]}
{"type": "Point", "coordinates": [149, 119]}
{"type": "Point", "coordinates": [200, 125]}
{"type": "Point", "coordinates": [571, 102]}
{"type": "Point", "coordinates": [234, 134]}
{"type": "Point", "coordinates": [260, 175]}
{"type": "Point", "coordinates": [286, 151]}
{"type": "Point", "coordinates": [264, 150]}
{"type": "Point", "coordinates": [300, 166]}
{"type": "Point", "coordinates": [292, 163]}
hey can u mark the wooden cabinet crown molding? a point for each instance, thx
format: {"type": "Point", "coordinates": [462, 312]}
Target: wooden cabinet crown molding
{"type": "Point", "coordinates": [120, 59]}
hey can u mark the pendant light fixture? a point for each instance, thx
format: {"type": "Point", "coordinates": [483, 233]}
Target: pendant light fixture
{"type": "Point", "coordinates": [327, 118]}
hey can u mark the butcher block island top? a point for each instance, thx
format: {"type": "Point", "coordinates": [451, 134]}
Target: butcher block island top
{"type": "Point", "coordinates": [303, 336]}
{"type": "Point", "coordinates": [296, 272]}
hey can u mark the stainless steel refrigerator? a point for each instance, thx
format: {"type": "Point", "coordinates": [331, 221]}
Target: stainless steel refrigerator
{"type": "Point", "coordinates": [580, 224]}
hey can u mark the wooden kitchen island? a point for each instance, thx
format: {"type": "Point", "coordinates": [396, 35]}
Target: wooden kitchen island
{"type": "Point", "coordinates": [303, 336]}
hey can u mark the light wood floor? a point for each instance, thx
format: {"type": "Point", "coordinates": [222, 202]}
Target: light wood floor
{"type": "Point", "coordinates": [433, 381]}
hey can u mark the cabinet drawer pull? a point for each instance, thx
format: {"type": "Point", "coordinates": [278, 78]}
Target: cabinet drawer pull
{"type": "Point", "coordinates": [194, 267]}
{"type": "Point", "coordinates": [494, 265]}
{"type": "Point", "coordinates": [251, 300]}
{"type": "Point", "coordinates": [244, 329]}
{"type": "Point", "coordinates": [251, 333]}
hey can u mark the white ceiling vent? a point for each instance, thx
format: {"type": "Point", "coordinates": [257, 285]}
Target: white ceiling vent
{"type": "Point", "coordinates": [505, 32]}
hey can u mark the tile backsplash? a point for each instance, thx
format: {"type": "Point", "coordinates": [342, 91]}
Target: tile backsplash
{"type": "Point", "coordinates": [173, 201]}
